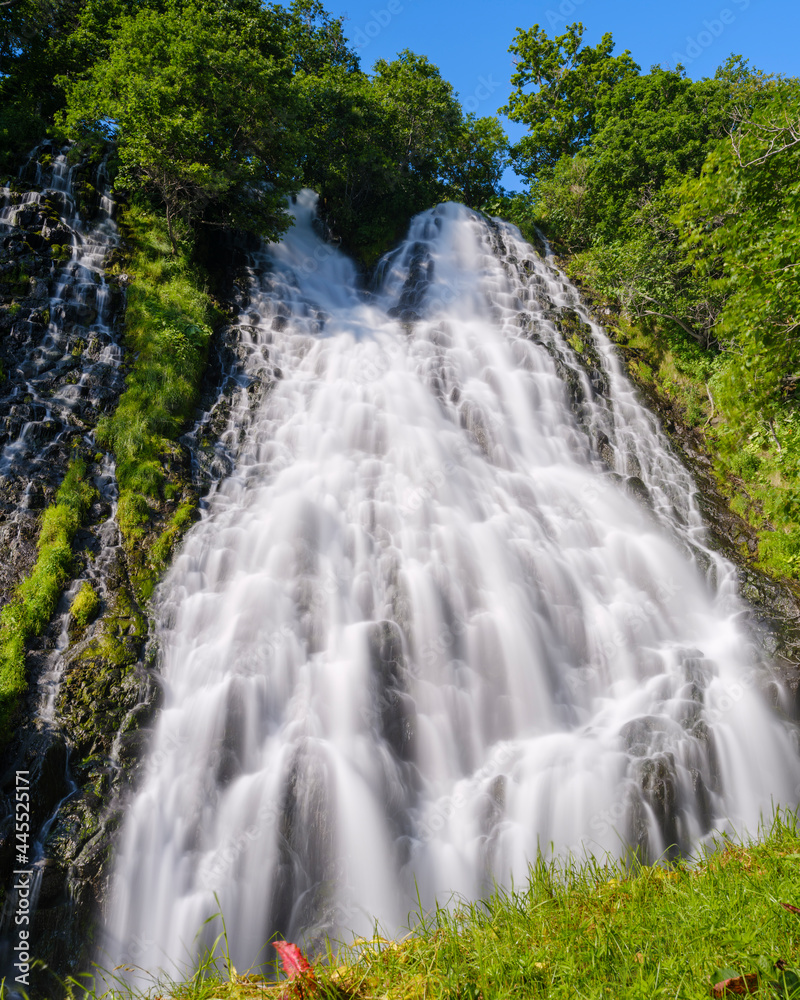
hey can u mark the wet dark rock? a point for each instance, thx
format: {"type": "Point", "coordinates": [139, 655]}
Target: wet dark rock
{"type": "Point", "coordinates": [606, 450]}
{"type": "Point", "coordinates": [657, 780]}
{"type": "Point", "coordinates": [393, 705]}
{"type": "Point", "coordinates": [53, 881]}
{"type": "Point", "coordinates": [637, 489]}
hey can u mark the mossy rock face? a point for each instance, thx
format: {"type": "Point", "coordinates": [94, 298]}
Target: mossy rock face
{"type": "Point", "coordinates": [84, 609]}
{"type": "Point", "coordinates": [100, 684]}
{"type": "Point", "coordinates": [578, 334]}
{"type": "Point", "coordinates": [106, 695]}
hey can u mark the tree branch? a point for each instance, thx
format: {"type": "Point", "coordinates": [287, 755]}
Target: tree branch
{"type": "Point", "coordinates": [692, 333]}
{"type": "Point", "coordinates": [782, 136]}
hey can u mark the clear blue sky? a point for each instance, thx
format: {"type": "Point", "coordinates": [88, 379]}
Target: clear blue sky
{"type": "Point", "coordinates": [469, 39]}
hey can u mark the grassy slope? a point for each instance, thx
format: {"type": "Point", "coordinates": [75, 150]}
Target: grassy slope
{"type": "Point", "coordinates": [589, 930]}
{"type": "Point", "coordinates": [168, 322]}
{"type": "Point", "coordinates": [35, 598]}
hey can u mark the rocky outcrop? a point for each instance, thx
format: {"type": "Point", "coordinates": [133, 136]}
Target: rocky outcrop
{"type": "Point", "coordinates": [773, 613]}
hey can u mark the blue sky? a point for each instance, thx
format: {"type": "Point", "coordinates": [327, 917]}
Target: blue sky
{"type": "Point", "coordinates": [469, 39]}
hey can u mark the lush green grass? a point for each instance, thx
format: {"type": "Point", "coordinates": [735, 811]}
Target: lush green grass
{"type": "Point", "coordinates": [168, 322]}
{"type": "Point", "coordinates": [167, 326]}
{"type": "Point", "coordinates": [592, 930]}
{"type": "Point", "coordinates": [35, 598]}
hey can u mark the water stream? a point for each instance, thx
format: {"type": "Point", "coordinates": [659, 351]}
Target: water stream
{"type": "Point", "coordinates": [453, 606]}
{"type": "Point", "coordinates": [65, 374]}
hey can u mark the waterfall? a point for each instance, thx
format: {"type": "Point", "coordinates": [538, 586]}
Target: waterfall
{"type": "Point", "coordinates": [69, 368]}
{"type": "Point", "coordinates": [452, 607]}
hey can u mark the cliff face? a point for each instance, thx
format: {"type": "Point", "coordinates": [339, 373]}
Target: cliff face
{"type": "Point", "coordinates": [83, 727]}
{"type": "Point", "coordinates": [61, 310]}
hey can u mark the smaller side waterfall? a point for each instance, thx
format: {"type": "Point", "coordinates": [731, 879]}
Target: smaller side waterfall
{"type": "Point", "coordinates": [451, 608]}
{"type": "Point", "coordinates": [68, 352]}
{"type": "Point", "coordinates": [61, 361]}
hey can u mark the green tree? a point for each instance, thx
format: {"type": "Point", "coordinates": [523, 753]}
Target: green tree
{"type": "Point", "coordinates": [475, 161]}
{"type": "Point", "coordinates": [571, 81]}
{"type": "Point", "coordinates": [198, 99]}
{"type": "Point", "coordinates": [424, 112]}
{"type": "Point", "coordinates": [316, 40]}
{"type": "Point", "coordinates": [380, 149]}
{"type": "Point", "coordinates": [650, 130]}
{"type": "Point", "coordinates": [741, 218]}
{"type": "Point", "coordinates": [347, 158]}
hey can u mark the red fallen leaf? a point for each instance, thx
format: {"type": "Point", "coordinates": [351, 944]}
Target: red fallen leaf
{"type": "Point", "coordinates": [294, 961]}
{"type": "Point", "coordinates": [790, 908]}
{"type": "Point", "coordinates": [735, 987]}
{"type": "Point", "coordinates": [296, 967]}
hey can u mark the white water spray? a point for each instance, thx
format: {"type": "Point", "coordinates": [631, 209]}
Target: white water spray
{"type": "Point", "coordinates": [424, 631]}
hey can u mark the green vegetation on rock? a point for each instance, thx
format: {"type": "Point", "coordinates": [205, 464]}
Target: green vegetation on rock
{"type": "Point", "coordinates": [35, 598]}
{"type": "Point", "coordinates": [168, 322]}
{"type": "Point", "coordinates": [85, 605]}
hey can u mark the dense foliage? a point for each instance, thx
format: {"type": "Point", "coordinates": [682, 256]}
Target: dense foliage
{"type": "Point", "coordinates": [208, 131]}
{"type": "Point", "coordinates": [677, 200]}
{"type": "Point", "coordinates": [219, 110]}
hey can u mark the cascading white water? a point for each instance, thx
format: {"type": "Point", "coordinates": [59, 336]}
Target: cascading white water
{"type": "Point", "coordinates": [423, 631]}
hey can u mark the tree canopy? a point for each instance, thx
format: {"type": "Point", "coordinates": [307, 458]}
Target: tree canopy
{"type": "Point", "coordinates": [208, 131]}
{"type": "Point", "coordinates": [218, 110]}
{"type": "Point", "coordinates": [572, 81]}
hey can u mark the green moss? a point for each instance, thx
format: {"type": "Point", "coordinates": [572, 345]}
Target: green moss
{"type": "Point", "coordinates": [163, 547]}
{"type": "Point", "coordinates": [119, 636]}
{"type": "Point", "coordinates": [133, 514]}
{"type": "Point", "coordinates": [576, 344]}
{"type": "Point", "coordinates": [85, 605]}
{"type": "Point", "coordinates": [34, 600]}
{"type": "Point", "coordinates": [168, 322]}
